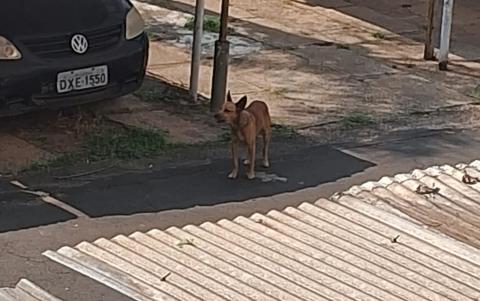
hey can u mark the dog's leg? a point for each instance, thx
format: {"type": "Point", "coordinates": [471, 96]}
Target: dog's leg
{"type": "Point", "coordinates": [234, 173]}
{"type": "Point", "coordinates": [246, 161]}
{"type": "Point", "coordinates": [251, 158]}
{"type": "Point", "coordinates": [267, 137]}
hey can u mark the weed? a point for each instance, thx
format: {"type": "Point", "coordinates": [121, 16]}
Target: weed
{"type": "Point", "coordinates": [185, 242]}
{"type": "Point", "coordinates": [379, 35]}
{"type": "Point", "coordinates": [225, 136]}
{"type": "Point", "coordinates": [125, 144]}
{"type": "Point", "coordinates": [283, 130]}
{"type": "Point", "coordinates": [357, 119]}
{"type": "Point", "coordinates": [278, 91]}
{"type": "Point", "coordinates": [57, 162]}
{"type": "Point", "coordinates": [150, 91]}
{"type": "Point", "coordinates": [155, 90]}
{"type": "Point", "coordinates": [475, 93]}
{"type": "Point", "coordinates": [210, 23]}
{"type": "Point", "coordinates": [150, 34]}
{"type": "Point", "coordinates": [111, 143]}
{"type": "Point", "coordinates": [343, 46]}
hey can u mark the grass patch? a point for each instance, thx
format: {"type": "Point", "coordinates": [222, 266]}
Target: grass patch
{"type": "Point", "coordinates": [379, 35]}
{"type": "Point", "coordinates": [57, 162]}
{"type": "Point", "coordinates": [112, 143]}
{"type": "Point", "coordinates": [357, 119]}
{"type": "Point", "coordinates": [278, 130]}
{"type": "Point", "coordinates": [125, 144]}
{"type": "Point", "coordinates": [475, 93]}
{"type": "Point", "coordinates": [155, 90]}
{"type": "Point", "coordinates": [278, 91]}
{"type": "Point", "coordinates": [150, 34]}
{"type": "Point", "coordinates": [151, 91]}
{"type": "Point", "coordinates": [225, 136]}
{"type": "Point", "coordinates": [283, 130]}
{"type": "Point", "coordinates": [210, 23]}
{"type": "Point", "coordinates": [343, 46]}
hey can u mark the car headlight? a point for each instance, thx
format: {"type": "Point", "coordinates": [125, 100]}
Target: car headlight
{"type": "Point", "coordinates": [134, 24]}
{"type": "Point", "coordinates": [8, 51]}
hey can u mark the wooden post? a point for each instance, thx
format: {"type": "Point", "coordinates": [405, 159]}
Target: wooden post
{"type": "Point", "coordinates": [429, 46]}
{"type": "Point", "coordinates": [446, 30]}
{"type": "Point", "coordinates": [196, 49]}
{"type": "Point", "coordinates": [220, 64]}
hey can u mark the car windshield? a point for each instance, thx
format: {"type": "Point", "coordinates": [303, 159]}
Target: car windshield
{"type": "Point", "coordinates": [19, 17]}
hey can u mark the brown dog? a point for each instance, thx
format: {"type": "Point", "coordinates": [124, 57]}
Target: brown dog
{"type": "Point", "coordinates": [246, 124]}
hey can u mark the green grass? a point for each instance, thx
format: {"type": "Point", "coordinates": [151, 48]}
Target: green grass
{"type": "Point", "coordinates": [225, 136]}
{"type": "Point", "coordinates": [57, 162]}
{"type": "Point", "coordinates": [343, 46]}
{"type": "Point", "coordinates": [278, 130]}
{"type": "Point", "coordinates": [357, 119]}
{"type": "Point", "coordinates": [112, 143]}
{"type": "Point", "coordinates": [151, 91]}
{"type": "Point", "coordinates": [278, 91]}
{"type": "Point", "coordinates": [475, 93]}
{"type": "Point", "coordinates": [210, 23]}
{"type": "Point", "coordinates": [283, 130]}
{"type": "Point", "coordinates": [150, 34]}
{"type": "Point", "coordinates": [379, 35]}
{"type": "Point", "coordinates": [125, 144]}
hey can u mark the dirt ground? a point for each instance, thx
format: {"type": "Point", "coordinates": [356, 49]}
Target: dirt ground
{"type": "Point", "coordinates": [334, 70]}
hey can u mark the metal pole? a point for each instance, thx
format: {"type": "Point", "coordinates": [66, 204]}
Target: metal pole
{"type": "Point", "coordinates": [220, 65]}
{"type": "Point", "coordinates": [445, 34]}
{"type": "Point", "coordinates": [196, 49]}
{"type": "Point", "coordinates": [429, 47]}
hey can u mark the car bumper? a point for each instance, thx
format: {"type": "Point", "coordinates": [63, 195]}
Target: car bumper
{"type": "Point", "coordinates": [30, 84]}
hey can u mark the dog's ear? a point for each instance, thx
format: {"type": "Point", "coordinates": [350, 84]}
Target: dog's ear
{"type": "Point", "coordinates": [229, 97]}
{"type": "Point", "coordinates": [242, 103]}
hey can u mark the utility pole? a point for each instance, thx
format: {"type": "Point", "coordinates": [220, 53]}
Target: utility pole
{"type": "Point", "coordinates": [196, 49]}
{"type": "Point", "coordinates": [429, 46]}
{"type": "Point", "coordinates": [446, 30]}
{"type": "Point", "coordinates": [220, 65]}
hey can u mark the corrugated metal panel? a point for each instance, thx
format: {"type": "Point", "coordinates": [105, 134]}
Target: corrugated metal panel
{"type": "Point", "coordinates": [25, 291]}
{"type": "Point", "coordinates": [339, 249]}
{"type": "Point", "coordinates": [444, 198]}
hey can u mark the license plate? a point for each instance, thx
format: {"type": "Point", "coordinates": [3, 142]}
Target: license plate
{"type": "Point", "coordinates": [82, 79]}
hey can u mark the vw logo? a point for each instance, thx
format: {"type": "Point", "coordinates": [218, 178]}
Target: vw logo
{"type": "Point", "coordinates": [79, 43]}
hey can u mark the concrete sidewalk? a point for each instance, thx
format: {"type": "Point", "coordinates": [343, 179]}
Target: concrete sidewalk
{"type": "Point", "coordinates": [316, 64]}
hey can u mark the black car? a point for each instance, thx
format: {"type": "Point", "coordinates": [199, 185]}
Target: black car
{"type": "Point", "coordinates": [57, 53]}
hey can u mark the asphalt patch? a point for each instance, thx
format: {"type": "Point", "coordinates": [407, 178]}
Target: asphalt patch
{"type": "Point", "coordinates": [21, 211]}
{"type": "Point", "coordinates": [205, 185]}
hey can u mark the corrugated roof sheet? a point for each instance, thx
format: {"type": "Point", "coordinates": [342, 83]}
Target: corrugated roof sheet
{"type": "Point", "coordinates": [25, 291]}
{"type": "Point", "coordinates": [445, 198]}
{"type": "Point", "coordinates": [366, 244]}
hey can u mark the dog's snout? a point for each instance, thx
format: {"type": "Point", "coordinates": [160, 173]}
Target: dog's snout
{"type": "Point", "coordinates": [219, 117]}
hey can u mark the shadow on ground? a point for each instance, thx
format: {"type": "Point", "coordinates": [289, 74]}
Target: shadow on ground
{"type": "Point", "coordinates": [408, 18]}
{"type": "Point", "coordinates": [206, 185]}
{"type": "Point", "coordinates": [19, 210]}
